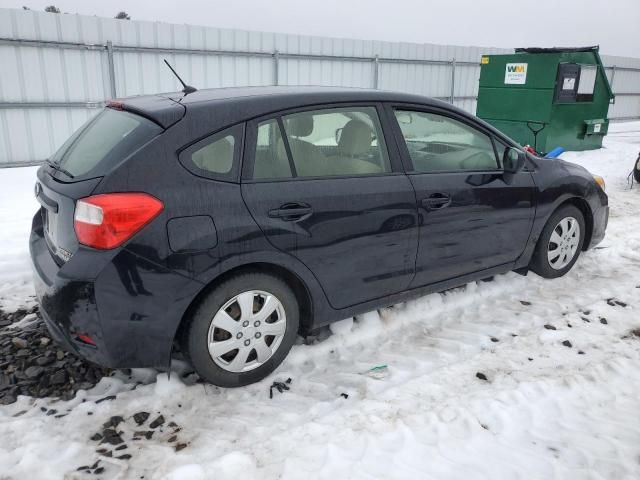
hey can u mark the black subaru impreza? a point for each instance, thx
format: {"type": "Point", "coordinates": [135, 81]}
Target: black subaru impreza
{"type": "Point", "coordinates": [225, 222]}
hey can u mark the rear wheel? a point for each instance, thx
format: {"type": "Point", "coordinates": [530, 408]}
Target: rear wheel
{"type": "Point", "coordinates": [242, 330]}
{"type": "Point", "coordinates": [560, 243]}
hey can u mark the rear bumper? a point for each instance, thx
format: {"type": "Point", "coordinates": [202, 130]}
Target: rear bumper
{"type": "Point", "coordinates": [67, 304]}
{"type": "Point", "coordinates": [60, 336]}
{"type": "Point", "coordinates": [130, 307]}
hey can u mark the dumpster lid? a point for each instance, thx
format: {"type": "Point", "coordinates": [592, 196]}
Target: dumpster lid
{"type": "Point", "coordinates": [594, 48]}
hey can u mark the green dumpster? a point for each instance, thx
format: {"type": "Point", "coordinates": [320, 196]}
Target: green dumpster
{"type": "Point", "coordinates": [547, 97]}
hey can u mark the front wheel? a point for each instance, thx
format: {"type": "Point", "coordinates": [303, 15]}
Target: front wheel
{"type": "Point", "coordinates": [560, 243]}
{"type": "Point", "coordinates": [242, 330]}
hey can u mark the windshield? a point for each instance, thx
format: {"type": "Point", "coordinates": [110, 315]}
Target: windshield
{"type": "Point", "coordinates": [103, 142]}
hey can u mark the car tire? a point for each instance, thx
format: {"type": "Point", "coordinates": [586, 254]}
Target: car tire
{"type": "Point", "coordinates": [559, 247]}
{"type": "Point", "coordinates": [220, 317]}
{"type": "Point", "coordinates": [636, 170]}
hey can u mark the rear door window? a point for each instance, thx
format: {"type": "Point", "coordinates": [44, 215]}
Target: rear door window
{"type": "Point", "coordinates": [271, 160]}
{"type": "Point", "coordinates": [104, 141]}
{"type": "Point", "coordinates": [322, 143]}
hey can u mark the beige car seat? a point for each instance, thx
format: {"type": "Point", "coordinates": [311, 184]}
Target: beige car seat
{"type": "Point", "coordinates": [353, 147]}
{"type": "Point", "coordinates": [307, 158]}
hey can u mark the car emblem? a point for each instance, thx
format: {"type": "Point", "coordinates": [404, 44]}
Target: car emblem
{"type": "Point", "coordinates": [65, 254]}
{"type": "Point", "coordinates": [37, 189]}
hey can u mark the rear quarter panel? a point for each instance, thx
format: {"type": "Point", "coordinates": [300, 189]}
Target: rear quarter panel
{"type": "Point", "coordinates": [157, 171]}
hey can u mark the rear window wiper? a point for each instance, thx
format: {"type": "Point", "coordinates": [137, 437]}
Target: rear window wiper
{"type": "Point", "coordinates": [57, 167]}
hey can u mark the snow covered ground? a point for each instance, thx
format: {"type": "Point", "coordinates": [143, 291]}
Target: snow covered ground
{"type": "Point", "coordinates": [561, 397]}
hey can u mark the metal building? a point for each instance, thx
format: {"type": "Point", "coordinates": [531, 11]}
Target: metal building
{"type": "Point", "coordinates": [57, 69]}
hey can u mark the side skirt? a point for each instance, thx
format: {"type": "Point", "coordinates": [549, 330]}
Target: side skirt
{"type": "Point", "coordinates": [412, 294]}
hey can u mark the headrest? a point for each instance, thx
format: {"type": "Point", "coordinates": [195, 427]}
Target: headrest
{"type": "Point", "coordinates": [300, 125]}
{"type": "Point", "coordinates": [356, 138]}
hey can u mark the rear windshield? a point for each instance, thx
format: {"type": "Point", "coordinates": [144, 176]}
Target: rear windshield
{"type": "Point", "coordinates": [104, 141]}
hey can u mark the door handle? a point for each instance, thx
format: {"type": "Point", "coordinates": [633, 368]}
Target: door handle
{"type": "Point", "coordinates": [291, 212]}
{"type": "Point", "coordinates": [436, 201]}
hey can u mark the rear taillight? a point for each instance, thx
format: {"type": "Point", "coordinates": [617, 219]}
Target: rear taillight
{"type": "Point", "coordinates": [86, 339]}
{"type": "Point", "coordinates": [116, 104]}
{"type": "Point", "coordinates": [107, 221]}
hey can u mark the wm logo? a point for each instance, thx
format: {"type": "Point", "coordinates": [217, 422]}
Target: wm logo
{"type": "Point", "coordinates": [515, 68]}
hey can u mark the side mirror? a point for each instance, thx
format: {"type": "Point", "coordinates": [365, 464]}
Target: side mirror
{"type": "Point", "coordinates": [338, 135]}
{"type": "Point", "coordinates": [513, 160]}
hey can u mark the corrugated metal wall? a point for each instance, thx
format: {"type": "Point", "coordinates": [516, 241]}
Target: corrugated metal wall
{"type": "Point", "coordinates": [624, 76]}
{"type": "Point", "coordinates": [58, 69]}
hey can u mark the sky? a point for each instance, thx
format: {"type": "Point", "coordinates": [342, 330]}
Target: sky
{"type": "Point", "coordinates": [612, 24]}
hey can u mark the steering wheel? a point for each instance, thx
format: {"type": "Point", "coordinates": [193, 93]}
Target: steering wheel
{"type": "Point", "coordinates": [478, 160]}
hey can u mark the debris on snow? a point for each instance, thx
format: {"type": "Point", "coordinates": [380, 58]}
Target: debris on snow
{"type": "Point", "coordinates": [615, 303]}
{"type": "Point", "coordinates": [180, 446]}
{"type": "Point", "coordinates": [113, 422]}
{"type": "Point", "coordinates": [141, 417]}
{"type": "Point", "coordinates": [157, 422]}
{"type": "Point", "coordinates": [378, 372]}
{"type": "Point", "coordinates": [106, 399]}
{"type": "Point", "coordinates": [279, 386]}
{"type": "Point", "coordinates": [111, 436]}
{"type": "Point", "coordinates": [633, 333]}
{"type": "Point", "coordinates": [118, 430]}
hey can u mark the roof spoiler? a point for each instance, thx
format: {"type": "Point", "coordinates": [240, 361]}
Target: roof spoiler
{"type": "Point", "coordinates": [161, 110]}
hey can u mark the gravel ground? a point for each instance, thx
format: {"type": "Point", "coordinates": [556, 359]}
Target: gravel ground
{"type": "Point", "coordinates": [32, 364]}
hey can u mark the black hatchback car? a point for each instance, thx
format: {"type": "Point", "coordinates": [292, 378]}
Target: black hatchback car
{"type": "Point", "coordinates": [227, 221]}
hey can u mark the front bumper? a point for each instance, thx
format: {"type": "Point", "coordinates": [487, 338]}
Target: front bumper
{"type": "Point", "coordinates": [600, 222]}
{"type": "Point", "coordinates": [130, 307]}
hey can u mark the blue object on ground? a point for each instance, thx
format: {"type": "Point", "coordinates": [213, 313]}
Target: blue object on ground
{"type": "Point", "coordinates": [555, 153]}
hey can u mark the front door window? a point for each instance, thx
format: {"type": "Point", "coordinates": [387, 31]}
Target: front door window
{"type": "Point", "coordinates": [441, 144]}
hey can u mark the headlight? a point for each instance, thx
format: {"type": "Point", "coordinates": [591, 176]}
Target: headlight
{"type": "Point", "coordinates": [600, 181]}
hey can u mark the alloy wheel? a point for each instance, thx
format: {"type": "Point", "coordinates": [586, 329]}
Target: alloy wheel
{"type": "Point", "coordinates": [246, 331]}
{"type": "Point", "coordinates": [563, 243]}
